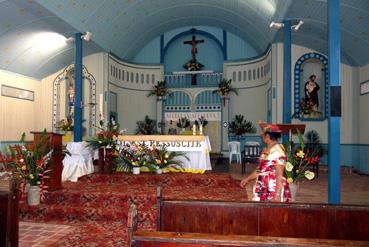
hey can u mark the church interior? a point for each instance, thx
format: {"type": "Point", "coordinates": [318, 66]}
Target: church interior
{"type": "Point", "coordinates": [141, 123]}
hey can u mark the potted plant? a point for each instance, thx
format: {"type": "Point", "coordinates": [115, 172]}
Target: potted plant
{"type": "Point", "coordinates": [30, 163]}
{"type": "Point", "coordinates": [146, 127]}
{"type": "Point", "coordinates": [160, 90]}
{"type": "Point", "coordinates": [201, 122]}
{"type": "Point", "coordinates": [312, 140]}
{"type": "Point", "coordinates": [105, 141]}
{"type": "Point", "coordinates": [162, 158]}
{"type": "Point", "coordinates": [240, 126]}
{"type": "Point", "coordinates": [183, 123]}
{"type": "Point", "coordinates": [133, 157]}
{"type": "Point", "coordinates": [66, 125]}
{"type": "Point", "coordinates": [225, 88]}
{"type": "Point", "coordinates": [299, 160]}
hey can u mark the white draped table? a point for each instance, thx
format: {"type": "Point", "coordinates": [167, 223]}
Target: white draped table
{"type": "Point", "coordinates": [196, 148]}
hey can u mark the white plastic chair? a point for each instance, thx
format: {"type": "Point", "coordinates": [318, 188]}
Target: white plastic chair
{"type": "Point", "coordinates": [234, 149]}
{"type": "Point", "coordinates": [78, 163]}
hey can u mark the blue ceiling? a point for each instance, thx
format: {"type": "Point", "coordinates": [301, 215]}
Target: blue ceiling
{"type": "Point", "coordinates": [124, 27]}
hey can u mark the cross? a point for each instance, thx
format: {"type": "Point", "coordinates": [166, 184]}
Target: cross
{"type": "Point", "coordinates": [193, 43]}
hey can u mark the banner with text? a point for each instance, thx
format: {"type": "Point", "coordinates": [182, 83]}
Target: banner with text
{"type": "Point", "coordinates": [192, 116]}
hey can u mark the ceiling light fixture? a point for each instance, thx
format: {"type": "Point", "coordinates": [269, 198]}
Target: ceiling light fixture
{"type": "Point", "coordinates": [279, 25]}
{"type": "Point", "coordinates": [86, 37]}
{"type": "Point", "coordinates": [276, 25]}
{"type": "Point", "coordinates": [297, 26]}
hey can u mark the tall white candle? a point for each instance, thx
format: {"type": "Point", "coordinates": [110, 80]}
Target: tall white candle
{"type": "Point", "coordinates": [101, 104]}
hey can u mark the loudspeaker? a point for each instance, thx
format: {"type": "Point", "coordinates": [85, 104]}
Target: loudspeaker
{"type": "Point", "coordinates": [335, 100]}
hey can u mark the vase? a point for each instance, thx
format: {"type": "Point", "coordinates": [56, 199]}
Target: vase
{"type": "Point", "coordinates": [67, 137]}
{"type": "Point", "coordinates": [33, 195]}
{"type": "Point", "coordinates": [293, 189]}
{"type": "Point", "coordinates": [159, 171]}
{"type": "Point", "coordinates": [136, 170]}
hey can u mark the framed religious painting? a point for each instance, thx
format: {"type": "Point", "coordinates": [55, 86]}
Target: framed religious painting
{"type": "Point", "coordinates": [311, 87]}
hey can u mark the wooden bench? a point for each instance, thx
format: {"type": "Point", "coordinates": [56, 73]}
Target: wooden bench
{"type": "Point", "coordinates": [9, 211]}
{"type": "Point", "coordinates": [211, 223]}
{"type": "Point", "coordinates": [169, 239]}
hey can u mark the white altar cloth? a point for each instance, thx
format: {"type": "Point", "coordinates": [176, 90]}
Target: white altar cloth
{"type": "Point", "coordinates": [196, 148]}
{"type": "Point", "coordinates": [78, 163]}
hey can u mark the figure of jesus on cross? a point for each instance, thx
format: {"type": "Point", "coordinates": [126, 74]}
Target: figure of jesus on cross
{"type": "Point", "coordinates": [193, 65]}
{"type": "Point", "coordinates": [193, 43]}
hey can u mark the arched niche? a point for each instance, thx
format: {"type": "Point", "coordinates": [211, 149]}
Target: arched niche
{"type": "Point", "coordinates": [62, 95]}
{"type": "Point", "coordinates": [307, 65]}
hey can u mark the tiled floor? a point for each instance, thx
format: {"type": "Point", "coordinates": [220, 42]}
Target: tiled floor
{"type": "Point", "coordinates": [41, 235]}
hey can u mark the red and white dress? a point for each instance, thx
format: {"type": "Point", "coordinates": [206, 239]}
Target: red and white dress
{"type": "Point", "coordinates": [265, 185]}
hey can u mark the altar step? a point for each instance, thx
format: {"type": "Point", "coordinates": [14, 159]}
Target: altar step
{"type": "Point", "coordinates": [104, 199]}
{"type": "Point", "coordinates": [169, 179]}
{"type": "Point", "coordinates": [98, 204]}
{"type": "Point", "coordinates": [71, 214]}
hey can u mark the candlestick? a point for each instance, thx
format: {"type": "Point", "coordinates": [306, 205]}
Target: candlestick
{"type": "Point", "coordinates": [194, 129]}
{"type": "Point", "coordinates": [101, 104]}
{"type": "Point", "coordinates": [200, 129]}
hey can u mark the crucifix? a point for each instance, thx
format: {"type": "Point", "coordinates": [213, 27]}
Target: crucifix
{"type": "Point", "coordinates": [193, 43]}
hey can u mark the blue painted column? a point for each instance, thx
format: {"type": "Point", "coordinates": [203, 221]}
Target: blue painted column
{"type": "Point", "coordinates": [225, 54]}
{"type": "Point", "coordinates": [334, 46]}
{"type": "Point", "coordinates": [78, 113]}
{"type": "Point", "coordinates": [162, 48]}
{"type": "Point", "coordinates": [286, 75]}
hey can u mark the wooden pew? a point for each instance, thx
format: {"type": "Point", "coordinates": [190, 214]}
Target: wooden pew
{"type": "Point", "coordinates": [266, 219]}
{"type": "Point", "coordinates": [9, 210]}
{"type": "Point", "coordinates": [211, 223]}
{"type": "Point", "coordinates": [169, 239]}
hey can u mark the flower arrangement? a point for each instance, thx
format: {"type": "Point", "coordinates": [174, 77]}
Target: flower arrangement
{"type": "Point", "coordinates": [201, 121]}
{"type": "Point", "coordinates": [298, 160]}
{"type": "Point", "coordinates": [225, 87]}
{"type": "Point", "coordinates": [30, 162]}
{"type": "Point", "coordinates": [107, 135]}
{"type": "Point", "coordinates": [146, 127]}
{"type": "Point", "coordinates": [140, 155]}
{"type": "Point", "coordinates": [160, 89]}
{"type": "Point", "coordinates": [193, 65]}
{"type": "Point", "coordinates": [183, 122]}
{"type": "Point", "coordinates": [162, 158]}
{"type": "Point", "coordinates": [65, 124]}
{"type": "Point", "coordinates": [136, 155]}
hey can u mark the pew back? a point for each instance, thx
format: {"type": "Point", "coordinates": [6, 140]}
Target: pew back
{"type": "Point", "coordinates": [169, 239]}
{"type": "Point", "coordinates": [266, 219]}
{"type": "Point", "coordinates": [9, 220]}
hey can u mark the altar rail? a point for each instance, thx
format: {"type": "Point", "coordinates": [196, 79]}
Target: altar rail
{"type": "Point", "coordinates": [184, 80]}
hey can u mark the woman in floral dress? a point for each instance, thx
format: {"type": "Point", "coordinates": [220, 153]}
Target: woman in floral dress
{"type": "Point", "coordinates": [270, 185]}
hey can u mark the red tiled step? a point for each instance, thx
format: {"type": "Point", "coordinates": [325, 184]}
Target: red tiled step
{"type": "Point", "coordinates": [66, 214]}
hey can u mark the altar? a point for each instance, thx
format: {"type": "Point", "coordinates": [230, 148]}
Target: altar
{"type": "Point", "coordinates": [196, 148]}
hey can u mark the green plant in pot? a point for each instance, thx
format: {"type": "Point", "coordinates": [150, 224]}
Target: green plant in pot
{"type": "Point", "coordinates": [312, 140]}
{"type": "Point", "coordinates": [161, 158]}
{"type": "Point", "coordinates": [146, 127]}
{"type": "Point", "coordinates": [240, 126]}
{"type": "Point", "coordinates": [160, 90]}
